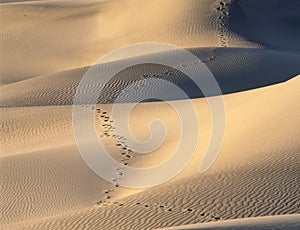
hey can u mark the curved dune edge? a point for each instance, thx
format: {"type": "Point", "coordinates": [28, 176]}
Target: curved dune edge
{"type": "Point", "coordinates": [45, 184]}
{"type": "Point", "coordinates": [208, 23]}
{"type": "Point", "coordinates": [238, 185]}
{"type": "Point", "coordinates": [247, 68]}
{"type": "Point", "coordinates": [265, 222]}
{"type": "Point", "coordinates": [94, 29]}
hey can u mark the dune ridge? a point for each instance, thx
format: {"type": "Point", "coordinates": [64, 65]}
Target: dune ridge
{"type": "Point", "coordinates": [61, 87]}
{"type": "Point", "coordinates": [46, 48]}
{"type": "Point", "coordinates": [103, 29]}
{"type": "Point", "coordinates": [217, 195]}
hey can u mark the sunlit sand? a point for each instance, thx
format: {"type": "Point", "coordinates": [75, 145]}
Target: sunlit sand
{"type": "Point", "coordinates": [48, 46]}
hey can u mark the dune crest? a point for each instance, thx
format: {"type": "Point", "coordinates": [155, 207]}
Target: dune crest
{"type": "Point", "coordinates": [251, 48]}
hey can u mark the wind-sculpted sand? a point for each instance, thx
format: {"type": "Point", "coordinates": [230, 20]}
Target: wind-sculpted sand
{"type": "Point", "coordinates": [268, 222]}
{"type": "Point", "coordinates": [228, 65]}
{"type": "Point", "coordinates": [47, 47]}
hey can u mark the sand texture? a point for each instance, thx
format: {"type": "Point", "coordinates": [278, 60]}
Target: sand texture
{"type": "Point", "coordinates": [252, 49]}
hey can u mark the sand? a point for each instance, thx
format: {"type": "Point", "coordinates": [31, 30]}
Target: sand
{"type": "Point", "coordinates": [268, 222]}
{"type": "Point", "coordinates": [47, 47]}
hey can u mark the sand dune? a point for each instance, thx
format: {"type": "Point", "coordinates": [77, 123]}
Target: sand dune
{"type": "Point", "coordinates": [60, 88]}
{"type": "Point", "coordinates": [37, 43]}
{"type": "Point", "coordinates": [251, 47]}
{"type": "Point", "coordinates": [270, 222]}
{"type": "Point", "coordinates": [219, 193]}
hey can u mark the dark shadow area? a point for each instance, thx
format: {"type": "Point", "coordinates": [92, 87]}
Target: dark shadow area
{"type": "Point", "coordinates": [272, 23]}
{"type": "Point", "coordinates": [235, 69]}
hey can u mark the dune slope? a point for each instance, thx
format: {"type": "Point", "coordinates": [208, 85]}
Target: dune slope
{"type": "Point", "coordinates": [252, 49]}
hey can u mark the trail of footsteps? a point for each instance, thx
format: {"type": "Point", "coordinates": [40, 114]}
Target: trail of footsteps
{"type": "Point", "coordinates": [223, 12]}
{"type": "Point", "coordinates": [126, 154]}
{"type": "Point", "coordinates": [125, 150]}
{"type": "Point", "coordinates": [174, 208]}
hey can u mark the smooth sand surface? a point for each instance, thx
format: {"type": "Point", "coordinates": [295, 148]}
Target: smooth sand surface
{"type": "Point", "coordinates": [46, 48]}
{"type": "Point", "coordinates": [268, 222]}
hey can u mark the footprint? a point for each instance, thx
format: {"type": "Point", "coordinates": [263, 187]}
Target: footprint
{"type": "Point", "coordinates": [216, 217]}
{"type": "Point", "coordinates": [223, 10]}
{"type": "Point", "coordinates": [99, 202]}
